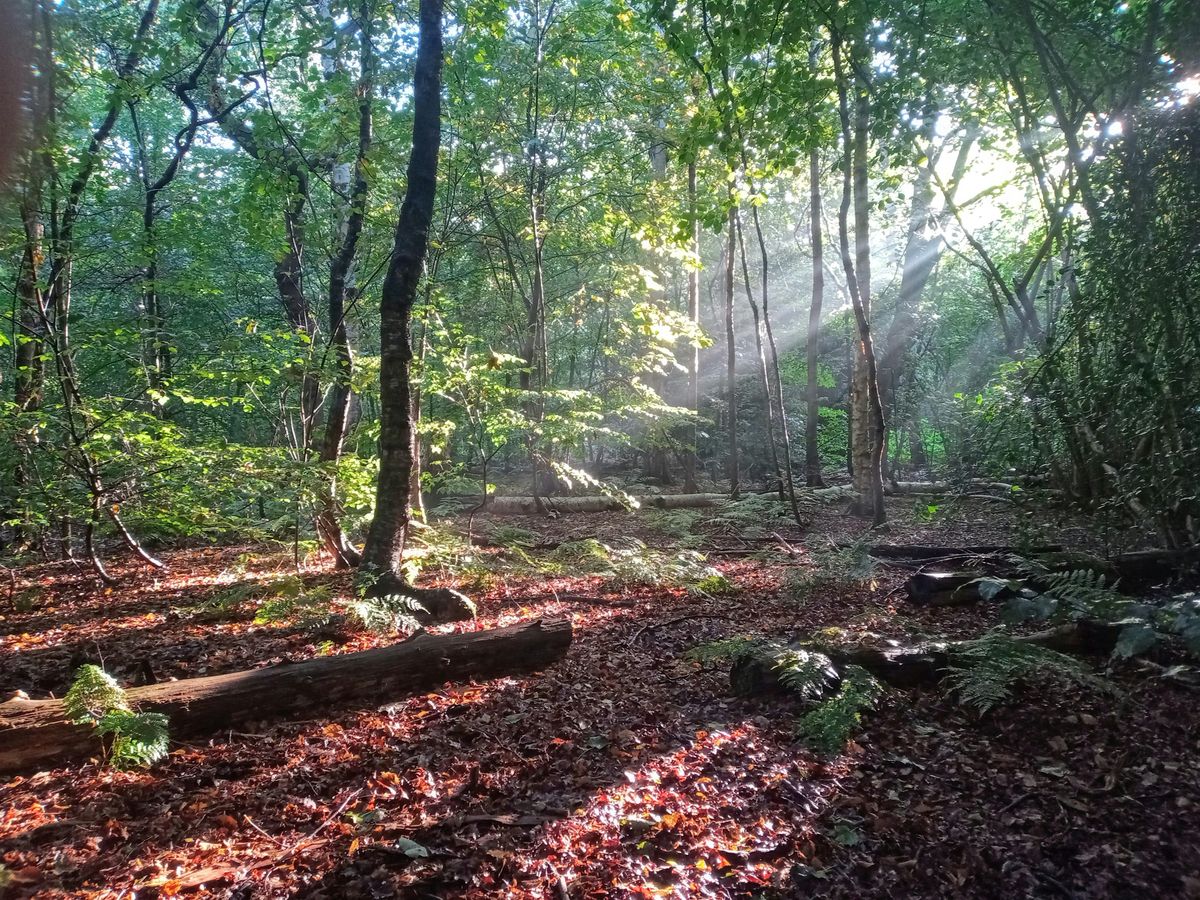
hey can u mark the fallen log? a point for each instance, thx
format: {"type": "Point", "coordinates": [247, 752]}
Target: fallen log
{"type": "Point", "coordinates": [942, 487]}
{"type": "Point", "coordinates": [516, 506]}
{"type": "Point", "coordinates": [38, 733]}
{"type": "Point", "coordinates": [904, 666]}
{"type": "Point", "coordinates": [933, 551]}
{"type": "Point", "coordinates": [943, 588]}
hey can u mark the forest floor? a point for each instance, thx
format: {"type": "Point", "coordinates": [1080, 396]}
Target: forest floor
{"type": "Point", "coordinates": [623, 771]}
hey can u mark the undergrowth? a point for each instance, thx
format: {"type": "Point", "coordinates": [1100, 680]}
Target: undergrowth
{"type": "Point", "coordinates": [138, 739]}
{"type": "Point", "coordinates": [984, 672]}
{"type": "Point", "coordinates": [846, 566]}
{"type": "Point", "coordinates": [830, 725]}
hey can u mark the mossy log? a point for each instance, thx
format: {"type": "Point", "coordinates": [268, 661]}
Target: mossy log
{"type": "Point", "coordinates": [37, 733]}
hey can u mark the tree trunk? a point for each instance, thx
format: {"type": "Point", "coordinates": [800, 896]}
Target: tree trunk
{"type": "Point", "coordinates": [38, 733]}
{"type": "Point", "coordinates": [381, 557]}
{"type": "Point", "coordinates": [867, 427]}
{"type": "Point", "coordinates": [735, 488]}
{"type": "Point", "coordinates": [768, 398]}
{"type": "Point", "coordinates": [341, 279]}
{"type": "Point", "coordinates": [693, 351]}
{"type": "Point", "coordinates": [812, 450]}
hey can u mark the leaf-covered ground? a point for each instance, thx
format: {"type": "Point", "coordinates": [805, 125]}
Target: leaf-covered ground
{"type": "Point", "coordinates": [623, 771]}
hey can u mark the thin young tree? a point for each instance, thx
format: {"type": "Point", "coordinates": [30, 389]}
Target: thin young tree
{"type": "Point", "coordinates": [380, 569]}
{"type": "Point", "coordinates": [868, 430]}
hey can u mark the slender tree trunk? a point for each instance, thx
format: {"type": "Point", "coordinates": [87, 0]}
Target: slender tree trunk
{"type": "Point", "coordinates": [380, 568]}
{"type": "Point", "coordinates": [341, 292]}
{"type": "Point", "coordinates": [780, 405]}
{"type": "Point", "coordinates": [693, 351]}
{"type": "Point", "coordinates": [812, 450]}
{"type": "Point", "coordinates": [731, 405]}
{"type": "Point", "coordinates": [868, 431]}
{"type": "Point", "coordinates": [922, 252]}
{"type": "Point", "coordinates": [768, 400]}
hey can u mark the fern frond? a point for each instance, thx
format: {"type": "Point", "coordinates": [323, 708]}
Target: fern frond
{"type": "Point", "coordinates": [92, 694]}
{"type": "Point", "coordinates": [139, 739]}
{"type": "Point", "coordinates": [725, 650]}
{"type": "Point", "coordinates": [827, 727]}
{"type": "Point", "coordinates": [808, 675]}
{"type": "Point", "coordinates": [984, 672]}
{"type": "Point", "coordinates": [388, 614]}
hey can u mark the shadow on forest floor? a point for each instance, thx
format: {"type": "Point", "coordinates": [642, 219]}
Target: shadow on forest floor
{"type": "Point", "coordinates": [623, 769]}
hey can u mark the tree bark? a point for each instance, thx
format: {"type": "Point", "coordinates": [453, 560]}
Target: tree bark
{"type": "Point", "coordinates": [693, 350]}
{"type": "Point", "coordinates": [867, 426]}
{"type": "Point", "coordinates": [735, 488]}
{"type": "Point", "coordinates": [341, 279]}
{"type": "Point", "coordinates": [812, 450]}
{"type": "Point", "coordinates": [380, 567]}
{"type": "Point", "coordinates": [38, 733]}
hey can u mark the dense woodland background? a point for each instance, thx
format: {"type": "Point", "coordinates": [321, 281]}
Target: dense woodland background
{"type": "Point", "coordinates": [773, 428]}
{"type": "Point", "coordinates": [652, 226]}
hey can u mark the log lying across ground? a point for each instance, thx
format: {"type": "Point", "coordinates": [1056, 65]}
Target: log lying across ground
{"type": "Point", "coordinates": [36, 733]}
{"type": "Point", "coordinates": [944, 588]}
{"type": "Point", "coordinates": [908, 666]}
{"type": "Point", "coordinates": [934, 551]}
{"type": "Point", "coordinates": [517, 506]}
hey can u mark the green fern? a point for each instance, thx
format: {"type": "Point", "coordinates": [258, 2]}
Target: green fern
{"type": "Point", "coordinates": [806, 674]}
{"type": "Point", "coordinates": [589, 553]}
{"type": "Point", "coordinates": [139, 739]}
{"type": "Point", "coordinates": [92, 694]}
{"type": "Point", "coordinates": [676, 523]}
{"type": "Point", "coordinates": [95, 698]}
{"type": "Point", "coordinates": [827, 727]}
{"type": "Point", "coordinates": [636, 564]}
{"type": "Point", "coordinates": [387, 614]}
{"type": "Point", "coordinates": [753, 515]}
{"type": "Point", "coordinates": [836, 566]}
{"type": "Point", "coordinates": [1084, 592]}
{"type": "Point", "coordinates": [307, 608]}
{"type": "Point", "coordinates": [512, 536]}
{"type": "Point", "coordinates": [984, 672]}
{"type": "Point", "coordinates": [728, 649]}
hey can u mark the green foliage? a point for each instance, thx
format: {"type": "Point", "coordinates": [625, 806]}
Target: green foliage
{"type": "Point", "coordinates": [1084, 593]}
{"type": "Point", "coordinates": [687, 568]}
{"type": "Point", "coordinates": [512, 536]}
{"type": "Point", "coordinates": [984, 672]}
{"type": "Point", "coordinates": [288, 601]}
{"type": "Point", "coordinates": [139, 739]}
{"type": "Point", "coordinates": [677, 523]}
{"type": "Point", "coordinates": [805, 673]}
{"type": "Point", "coordinates": [388, 614]}
{"type": "Point", "coordinates": [726, 650]}
{"type": "Point", "coordinates": [827, 727]}
{"type": "Point", "coordinates": [754, 515]}
{"type": "Point", "coordinates": [844, 566]}
{"type": "Point", "coordinates": [92, 694]}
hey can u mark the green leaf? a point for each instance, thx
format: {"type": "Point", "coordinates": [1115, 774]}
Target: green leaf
{"type": "Point", "coordinates": [1134, 640]}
